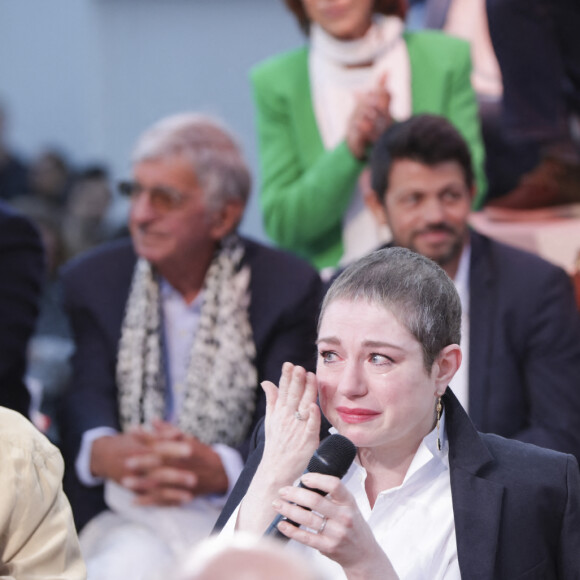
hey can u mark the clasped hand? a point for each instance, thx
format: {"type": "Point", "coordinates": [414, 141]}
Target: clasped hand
{"type": "Point", "coordinates": [370, 117]}
{"type": "Point", "coordinates": [162, 466]}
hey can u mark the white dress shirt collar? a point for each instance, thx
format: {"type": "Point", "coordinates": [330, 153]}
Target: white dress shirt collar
{"type": "Point", "coordinates": [460, 382]}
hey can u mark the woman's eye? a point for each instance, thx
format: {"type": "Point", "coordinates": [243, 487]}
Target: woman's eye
{"type": "Point", "coordinates": [328, 356]}
{"type": "Point", "coordinates": [380, 359]}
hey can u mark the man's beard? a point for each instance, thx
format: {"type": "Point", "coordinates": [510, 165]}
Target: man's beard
{"type": "Point", "coordinates": [451, 254]}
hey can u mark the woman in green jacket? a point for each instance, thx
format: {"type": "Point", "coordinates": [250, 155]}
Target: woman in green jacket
{"type": "Point", "coordinates": [321, 107]}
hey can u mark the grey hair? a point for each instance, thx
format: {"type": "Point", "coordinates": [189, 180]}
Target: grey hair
{"type": "Point", "coordinates": [413, 288]}
{"type": "Point", "coordinates": [243, 555]}
{"type": "Point", "coordinates": [215, 157]}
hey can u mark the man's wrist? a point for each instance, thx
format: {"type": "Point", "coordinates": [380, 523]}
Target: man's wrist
{"type": "Point", "coordinates": [84, 456]}
{"type": "Point", "coordinates": [98, 461]}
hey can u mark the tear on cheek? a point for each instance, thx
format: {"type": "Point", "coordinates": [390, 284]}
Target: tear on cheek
{"type": "Point", "coordinates": [322, 394]}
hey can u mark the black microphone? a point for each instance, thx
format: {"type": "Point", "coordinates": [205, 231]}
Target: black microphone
{"type": "Point", "coordinates": [334, 456]}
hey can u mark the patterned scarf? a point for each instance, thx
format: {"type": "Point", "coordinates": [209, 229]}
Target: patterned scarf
{"type": "Point", "coordinates": [221, 379]}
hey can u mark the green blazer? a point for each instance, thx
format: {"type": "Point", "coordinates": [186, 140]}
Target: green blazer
{"type": "Point", "coordinates": [305, 189]}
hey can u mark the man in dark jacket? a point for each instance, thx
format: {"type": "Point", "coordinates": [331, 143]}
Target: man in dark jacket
{"type": "Point", "coordinates": [521, 328]}
{"type": "Point", "coordinates": [174, 332]}
{"type": "Point", "coordinates": [21, 277]}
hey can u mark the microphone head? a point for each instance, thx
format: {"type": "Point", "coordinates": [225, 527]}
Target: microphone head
{"type": "Point", "coordinates": [334, 456]}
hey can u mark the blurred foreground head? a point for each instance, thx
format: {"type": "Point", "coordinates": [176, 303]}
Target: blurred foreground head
{"type": "Point", "coordinates": [244, 557]}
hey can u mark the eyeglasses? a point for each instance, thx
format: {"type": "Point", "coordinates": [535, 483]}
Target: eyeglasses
{"type": "Point", "coordinates": [162, 199]}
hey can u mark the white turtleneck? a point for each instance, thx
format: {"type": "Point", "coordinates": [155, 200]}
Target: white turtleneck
{"type": "Point", "coordinates": [336, 80]}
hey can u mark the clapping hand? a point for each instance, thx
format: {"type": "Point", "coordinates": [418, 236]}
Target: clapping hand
{"type": "Point", "coordinates": [370, 118]}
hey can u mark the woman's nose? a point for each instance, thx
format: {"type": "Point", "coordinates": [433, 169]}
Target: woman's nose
{"type": "Point", "coordinates": [352, 382]}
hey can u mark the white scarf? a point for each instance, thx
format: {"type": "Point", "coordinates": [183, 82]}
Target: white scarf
{"type": "Point", "coordinates": [222, 380]}
{"type": "Point", "coordinates": [335, 81]}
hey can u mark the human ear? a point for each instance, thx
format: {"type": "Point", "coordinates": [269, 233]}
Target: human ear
{"type": "Point", "coordinates": [472, 192]}
{"type": "Point", "coordinates": [445, 366]}
{"type": "Point", "coordinates": [377, 208]}
{"type": "Point", "coordinates": [226, 219]}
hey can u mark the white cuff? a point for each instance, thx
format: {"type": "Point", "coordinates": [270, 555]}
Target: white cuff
{"type": "Point", "coordinates": [83, 461]}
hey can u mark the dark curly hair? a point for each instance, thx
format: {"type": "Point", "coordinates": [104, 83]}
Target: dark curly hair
{"type": "Point", "coordinates": [387, 7]}
{"type": "Point", "coordinates": [428, 139]}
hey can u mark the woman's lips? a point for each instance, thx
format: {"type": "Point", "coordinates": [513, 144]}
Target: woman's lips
{"type": "Point", "coordinates": [349, 415]}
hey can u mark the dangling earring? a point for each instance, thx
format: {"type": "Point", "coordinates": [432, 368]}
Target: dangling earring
{"type": "Point", "coordinates": [439, 408]}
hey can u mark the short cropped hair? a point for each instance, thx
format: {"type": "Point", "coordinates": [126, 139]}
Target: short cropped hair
{"type": "Point", "coordinates": [427, 139]}
{"type": "Point", "coordinates": [413, 288]}
{"type": "Point", "coordinates": [215, 157]}
{"type": "Point", "coordinates": [387, 7]}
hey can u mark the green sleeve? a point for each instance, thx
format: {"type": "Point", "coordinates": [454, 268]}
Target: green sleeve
{"type": "Point", "coordinates": [305, 190]}
{"type": "Point", "coordinates": [464, 114]}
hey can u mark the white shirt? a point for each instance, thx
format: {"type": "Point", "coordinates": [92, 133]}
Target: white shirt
{"type": "Point", "coordinates": [180, 322]}
{"type": "Point", "coordinates": [413, 523]}
{"type": "Point", "coordinates": [460, 382]}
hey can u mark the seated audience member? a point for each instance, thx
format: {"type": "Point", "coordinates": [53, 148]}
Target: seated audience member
{"type": "Point", "coordinates": [50, 178]}
{"type": "Point", "coordinates": [322, 106]}
{"type": "Point", "coordinates": [13, 172]}
{"type": "Point", "coordinates": [83, 224]}
{"type": "Point", "coordinates": [467, 19]}
{"type": "Point", "coordinates": [245, 557]}
{"type": "Point", "coordinates": [21, 276]}
{"type": "Point", "coordinates": [521, 327]}
{"type": "Point", "coordinates": [174, 332]}
{"type": "Point", "coordinates": [538, 50]}
{"type": "Point", "coordinates": [38, 536]}
{"type": "Point", "coordinates": [50, 347]}
{"type": "Point", "coordinates": [427, 495]}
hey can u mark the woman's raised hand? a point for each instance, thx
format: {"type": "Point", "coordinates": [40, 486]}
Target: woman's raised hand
{"type": "Point", "coordinates": [292, 420]}
{"type": "Point", "coordinates": [371, 116]}
{"type": "Point", "coordinates": [292, 428]}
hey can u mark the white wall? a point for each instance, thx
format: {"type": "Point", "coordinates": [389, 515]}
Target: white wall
{"type": "Point", "coordinates": [88, 76]}
{"type": "Point", "coordinates": [43, 78]}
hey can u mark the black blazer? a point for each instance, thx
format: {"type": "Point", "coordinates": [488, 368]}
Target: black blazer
{"type": "Point", "coordinates": [516, 506]}
{"type": "Point", "coordinates": [21, 277]}
{"type": "Point", "coordinates": [524, 347]}
{"type": "Point", "coordinates": [285, 297]}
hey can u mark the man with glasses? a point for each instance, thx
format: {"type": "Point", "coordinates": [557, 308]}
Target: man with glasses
{"type": "Point", "coordinates": [174, 332]}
